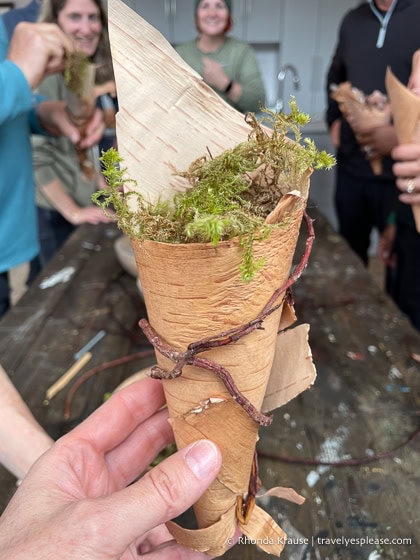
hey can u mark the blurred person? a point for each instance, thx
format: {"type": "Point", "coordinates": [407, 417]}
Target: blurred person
{"type": "Point", "coordinates": [83, 498]}
{"type": "Point", "coordinates": [372, 36]}
{"type": "Point", "coordinates": [35, 51]}
{"type": "Point", "coordinates": [226, 64]}
{"type": "Point", "coordinates": [63, 192]}
{"type": "Point", "coordinates": [399, 246]}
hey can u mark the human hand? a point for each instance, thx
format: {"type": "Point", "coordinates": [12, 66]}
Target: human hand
{"type": "Point", "coordinates": [108, 87]}
{"type": "Point", "coordinates": [407, 171]}
{"type": "Point", "coordinates": [78, 500]}
{"type": "Point", "coordinates": [55, 119]}
{"type": "Point", "coordinates": [378, 141]}
{"type": "Point", "coordinates": [214, 75]}
{"type": "Point", "coordinates": [91, 215]}
{"type": "Point", "coordinates": [38, 49]}
{"type": "Point", "coordinates": [379, 100]}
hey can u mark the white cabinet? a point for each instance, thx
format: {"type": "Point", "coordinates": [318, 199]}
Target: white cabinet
{"type": "Point", "coordinates": [301, 33]}
{"type": "Point", "coordinates": [254, 21]}
{"type": "Point", "coordinates": [309, 35]}
{"type": "Point", "coordinates": [257, 21]}
{"type": "Point", "coordinates": [173, 18]}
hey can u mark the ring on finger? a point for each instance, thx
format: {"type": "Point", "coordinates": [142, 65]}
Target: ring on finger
{"type": "Point", "coordinates": [367, 149]}
{"type": "Point", "coordinates": [410, 188]}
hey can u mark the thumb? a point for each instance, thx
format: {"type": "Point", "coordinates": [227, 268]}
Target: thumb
{"type": "Point", "coordinates": [70, 130]}
{"type": "Point", "coordinates": [163, 493]}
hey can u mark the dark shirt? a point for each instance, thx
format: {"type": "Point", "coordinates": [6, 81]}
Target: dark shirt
{"type": "Point", "coordinates": [28, 13]}
{"type": "Point", "coordinates": [358, 60]}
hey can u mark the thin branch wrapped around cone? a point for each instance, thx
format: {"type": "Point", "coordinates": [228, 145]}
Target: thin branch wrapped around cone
{"type": "Point", "coordinates": [405, 108]}
{"type": "Point", "coordinates": [361, 115]}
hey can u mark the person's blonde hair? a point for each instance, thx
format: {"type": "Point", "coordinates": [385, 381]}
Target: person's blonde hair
{"type": "Point", "coordinates": [50, 10]}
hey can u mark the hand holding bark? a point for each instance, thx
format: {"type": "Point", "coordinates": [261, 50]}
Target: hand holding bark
{"type": "Point", "coordinates": [79, 499]}
{"type": "Point", "coordinates": [38, 49]}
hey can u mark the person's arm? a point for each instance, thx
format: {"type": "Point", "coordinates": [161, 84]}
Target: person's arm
{"type": "Point", "coordinates": [22, 439]}
{"type": "Point", "coordinates": [53, 158]}
{"type": "Point", "coordinates": [38, 49]}
{"type": "Point", "coordinates": [54, 119]}
{"type": "Point", "coordinates": [247, 91]}
{"type": "Point", "coordinates": [67, 207]}
{"type": "Point", "coordinates": [82, 498]}
{"type": "Point", "coordinates": [15, 92]}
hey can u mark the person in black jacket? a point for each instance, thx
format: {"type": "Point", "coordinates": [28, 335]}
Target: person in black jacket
{"type": "Point", "coordinates": [399, 246]}
{"type": "Point", "coordinates": [376, 34]}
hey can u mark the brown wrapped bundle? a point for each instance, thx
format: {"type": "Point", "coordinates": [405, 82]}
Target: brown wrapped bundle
{"type": "Point", "coordinates": [79, 76]}
{"type": "Point", "coordinates": [405, 108]}
{"type": "Point", "coordinates": [216, 336]}
{"type": "Point", "coordinates": [361, 115]}
{"type": "Point", "coordinates": [192, 292]}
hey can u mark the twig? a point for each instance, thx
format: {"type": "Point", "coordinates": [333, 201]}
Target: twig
{"type": "Point", "coordinates": [182, 359]}
{"type": "Point", "coordinates": [62, 382]}
{"type": "Point", "coordinates": [345, 462]}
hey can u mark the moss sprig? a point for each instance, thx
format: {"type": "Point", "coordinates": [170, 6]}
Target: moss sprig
{"type": "Point", "coordinates": [230, 195]}
{"type": "Point", "coordinates": [75, 69]}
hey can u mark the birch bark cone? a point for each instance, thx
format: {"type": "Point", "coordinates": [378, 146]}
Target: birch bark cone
{"type": "Point", "coordinates": [363, 116]}
{"type": "Point", "coordinates": [191, 292]}
{"type": "Point", "coordinates": [168, 118]}
{"type": "Point", "coordinates": [405, 107]}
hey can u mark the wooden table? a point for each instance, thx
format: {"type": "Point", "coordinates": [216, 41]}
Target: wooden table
{"type": "Point", "coordinates": [363, 405]}
{"type": "Point", "coordinates": [41, 334]}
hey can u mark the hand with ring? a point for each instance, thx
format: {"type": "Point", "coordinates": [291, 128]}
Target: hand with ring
{"type": "Point", "coordinates": [368, 150]}
{"type": "Point", "coordinates": [410, 187]}
{"type": "Point", "coordinates": [378, 141]}
{"type": "Point", "coordinates": [407, 171]}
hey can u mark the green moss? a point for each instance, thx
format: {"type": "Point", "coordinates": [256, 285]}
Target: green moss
{"type": "Point", "coordinates": [75, 68]}
{"type": "Point", "coordinates": [229, 196]}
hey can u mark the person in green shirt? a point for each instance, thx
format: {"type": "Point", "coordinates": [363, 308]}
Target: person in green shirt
{"type": "Point", "coordinates": [228, 65]}
{"type": "Point", "coordinates": [63, 190]}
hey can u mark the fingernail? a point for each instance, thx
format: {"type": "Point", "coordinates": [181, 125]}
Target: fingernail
{"type": "Point", "coordinates": [202, 458]}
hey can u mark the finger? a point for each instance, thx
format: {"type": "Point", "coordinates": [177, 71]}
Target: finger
{"type": "Point", "coordinates": [412, 199]}
{"type": "Point", "coordinates": [130, 459]}
{"type": "Point", "coordinates": [406, 152]}
{"type": "Point", "coordinates": [153, 539]}
{"type": "Point", "coordinates": [403, 183]}
{"type": "Point", "coordinates": [116, 419]}
{"type": "Point", "coordinates": [94, 130]}
{"type": "Point", "coordinates": [406, 169]}
{"type": "Point", "coordinates": [172, 549]}
{"type": "Point", "coordinates": [67, 128]}
{"type": "Point", "coordinates": [164, 492]}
